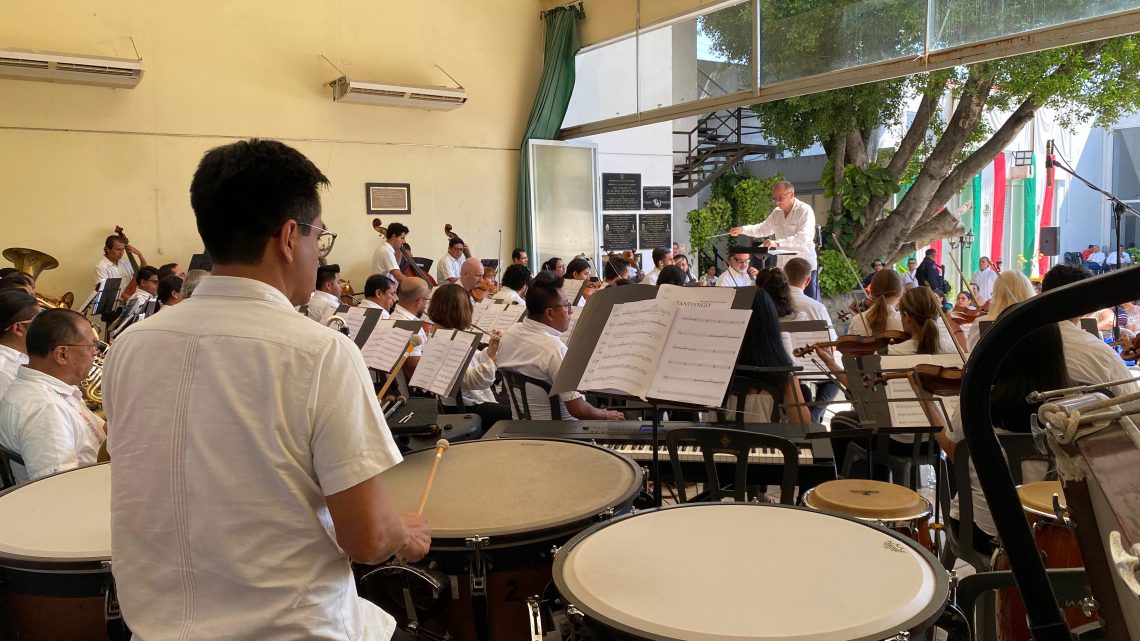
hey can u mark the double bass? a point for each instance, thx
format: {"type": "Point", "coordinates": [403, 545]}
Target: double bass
{"type": "Point", "coordinates": [407, 263]}
{"type": "Point", "coordinates": [129, 290]}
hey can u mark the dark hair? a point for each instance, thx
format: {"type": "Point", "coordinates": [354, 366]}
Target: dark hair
{"type": "Point", "coordinates": [20, 279]}
{"type": "Point", "coordinates": [166, 270]}
{"type": "Point", "coordinates": [517, 253]}
{"type": "Point", "coordinates": [377, 282]}
{"type": "Point", "coordinates": [930, 253]}
{"type": "Point", "coordinates": [659, 255]}
{"type": "Point", "coordinates": [672, 275]}
{"type": "Point", "coordinates": [544, 292]}
{"type": "Point", "coordinates": [168, 286]}
{"type": "Point", "coordinates": [577, 266]}
{"type": "Point", "coordinates": [1062, 274]}
{"type": "Point", "coordinates": [450, 307]}
{"type": "Point", "coordinates": [516, 277]}
{"type": "Point", "coordinates": [456, 240]}
{"type": "Point", "coordinates": [763, 346]}
{"type": "Point", "coordinates": [885, 285]}
{"type": "Point", "coordinates": [6, 271]}
{"type": "Point", "coordinates": [327, 274]}
{"type": "Point", "coordinates": [145, 273]}
{"type": "Point", "coordinates": [52, 328]}
{"type": "Point", "coordinates": [1035, 363]}
{"type": "Point", "coordinates": [15, 305]}
{"type": "Point", "coordinates": [775, 282]}
{"type": "Point", "coordinates": [110, 241]}
{"type": "Point", "coordinates": [395, 229]}
{"type": "Point", "coordinates": [739, 249]}
{"type": "Point", "coordinates": [551, 264]}
{"type": "Point", "coordinates": [797, 270]}
{"type": "Point", "coordinates": [683, 257]}
{"type": "Point", "coordinates": [243, 192]}
{"type": "Point", "coordinates": [920, 304]}
{"type": "Point", "coordinates": [615, 267]}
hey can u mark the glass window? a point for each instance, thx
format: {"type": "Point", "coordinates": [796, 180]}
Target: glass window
{"type": "Point", "coordinates": [959, 22]}
{"type": "Point", "coordinates": [605, 85]}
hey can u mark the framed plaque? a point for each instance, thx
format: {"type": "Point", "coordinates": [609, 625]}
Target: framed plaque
{"type": "Point", "coordinates": [387, 198]}
{"type": "Point", "coordinates": [621, 192]}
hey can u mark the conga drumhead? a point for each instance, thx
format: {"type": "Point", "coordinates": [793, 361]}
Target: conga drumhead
{"type": "Point", "coordinates": [733, 571]}
{"type": "Point", "coordinates": [865, 499]}
{"type": "Point", "coordinates": [59, 520]}
{"type": "Point", "coordinates": [1037, 497]}
{"type": "Point", "coordinates": [512, 486]}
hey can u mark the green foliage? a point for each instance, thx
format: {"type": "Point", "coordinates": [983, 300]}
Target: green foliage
{"type": "Point", "coordinates": [835, 277]}
{"type": "Point", "coordinates": [749, 197]}
{"type": "Point", "coordinates": [714, 218]}
{"type": "Point", "coordinates": [1134, 253]}
{"type": "Point", "coordinates": [855, 190]}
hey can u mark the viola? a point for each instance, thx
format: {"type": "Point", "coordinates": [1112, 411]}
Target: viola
{"type": "Point", "coordinates": [853, 345]}
{"type": "Point", "coordinates": [857, 307]}
{"type": "Point", "coordinates": [933, 379]}
{"type": "Point", "coordinates": [965, 315]}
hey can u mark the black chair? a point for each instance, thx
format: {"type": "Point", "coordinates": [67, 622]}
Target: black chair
{"type": "Point", "coordinates": [719, 440]}
{"type": "Point", "coordinates": [1070, 585]}
{"type": "Point", "coordinates": [7, 458]}
{"type": "Point", "coordinates": [516, 391]}
{"type": "Point", "coordinates": [960, 541]}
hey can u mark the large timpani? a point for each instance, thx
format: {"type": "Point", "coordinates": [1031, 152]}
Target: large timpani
{"type": "Point", "coordinates": [55, 553]}
{"type": "Point", "coordinates": [892, 506]}
{"type": "Point", "coordinates": [496, 510]}
{"type": "Point", "coordinates": [739, 571]}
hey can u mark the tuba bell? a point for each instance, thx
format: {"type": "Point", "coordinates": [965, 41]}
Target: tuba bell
{"type": "Point", "coordinates": [32, 262]}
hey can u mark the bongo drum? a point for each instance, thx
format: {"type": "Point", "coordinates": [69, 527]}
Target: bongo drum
{"type": "Point", "coordinates": [55, 554]}
{"type": "Point", "coordinates": [1059, 549]}
{"type": "Point", "coordinates": [892, 506]}
{"type": "Point", "coordinates": [497, 510]}
{"type": "Point", "coordinates": [741, 571]}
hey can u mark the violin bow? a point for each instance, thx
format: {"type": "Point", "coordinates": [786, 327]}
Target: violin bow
{"type": "Point", "coordinates": [946, 322]}
{"type": "Point", "coordinates": [962, 279]}
{"type": "Point", "coordinates": [858, 281]}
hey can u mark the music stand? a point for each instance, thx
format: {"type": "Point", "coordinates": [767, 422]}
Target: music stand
{"type": "Point", "coordinates": [107, 295]}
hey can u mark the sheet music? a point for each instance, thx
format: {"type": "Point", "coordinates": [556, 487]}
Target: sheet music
{"type": "Point", "coordinates": [707, 297]}
{"type": "Point", "coordinates": [700, 355]}
{"type": "Point", "coordinates": [571, 288]}
{"type": "Point", "coordinates": [575, 313]}
{"type": "Point", "coordinates": [385, 345]}
{"type": "Point", "coordinates": [629, 347]}
{"type": "Point", "coordinates": [354, 318]}
{"type": "Point", "coordinates": [509, 315]}
{"type": "Point", "coordinates": [801, 339]}
{"type": "Point", "coordinates": [459, 354]}
{"type": "Point", "coordinates": [911, 414]}
{"type": "Point", "coordinates": [432, 359]}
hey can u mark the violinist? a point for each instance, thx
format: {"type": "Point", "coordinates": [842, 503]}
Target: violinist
{"type": "Point", "coordinates": [519, 257]}
{"type": "Point", "coordinates": [578, 269]}
{"type": "Point", "coordinates": [883, 315]}
{"type": "Point", "coordinates": [615, 268]}
{"type": "Point", "coordinates": [384, 259]}
{"type": "Point", "coordinates": [470, 276]}
{"type": "Point", "coordinates": [555, 266]}
{"type": "Point", "coordinates": [447, 269]}
{"type": "Point", "coordinates": [1010, 287]}
{"type": "Point", "coordinates": [516, 280]}
{"type": "Point", "coordinates": [379, 293]}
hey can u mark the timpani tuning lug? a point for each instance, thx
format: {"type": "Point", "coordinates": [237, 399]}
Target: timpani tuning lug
{"type": "Point", "coordinates": [478, 566]}
{"type": "Point", "coordinates": [1062, 513]}
{"type": "Point", "coordinates": [901, 636]}
{"type": "Point", "coordinates": [607, 515]}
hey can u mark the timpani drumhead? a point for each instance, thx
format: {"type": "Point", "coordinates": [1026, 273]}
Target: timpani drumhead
{"type": "Point", "coordinates": [1037, 497]}
{"type": "Point", "coordinates": [865, 499]}
{"type": "Point", "coordinates": [512, 486]}
{"type": "Point", "coordinates": [59, 519]}
{"type": "Point", "coordinates": [736, 571]}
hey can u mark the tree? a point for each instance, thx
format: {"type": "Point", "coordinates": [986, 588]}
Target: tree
{"type": "Point", "coordinates": [1087, 83]}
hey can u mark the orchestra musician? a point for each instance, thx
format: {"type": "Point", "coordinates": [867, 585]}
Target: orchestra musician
{"type": "Point", "coordinates": [146, 290]}
{"type": "Point", "coordinates": [792, 223]}
{"type": "Point", "coordinates": [170, 291]}
{"type": "Point", "coordinates": [18, 280]}
{"type": "Point", "coordinates": [682, 261]}
{"type": "Point", "coordinates": [193, 278]}
{"type": "Point", "coordinates": [883, 315]}
{"type": "Point", "coordinates": [661, 258]}
{"type": "Point", "coordinates": [516, 279]}
{"type": "Point", "coordinates": [739, 272]}
{"type": "Point", "coordinates": [519, 257]}
{"type": "Point", "coordinates": [1010, 287]}
{"type": "Point", "coordinates": [798, 272]}
{"type": "Point", "coordinates": [325, 299]}
{"type": "Point", "coordinates": [447, 269]}
{"type": "Point", "coordinates": [470, 275]}
{"type": "Point", "coordinates": [534, 348]}
{"type": "Point", "coordinates": [113, 265]}
{"type": "Point", "coordinates": [17, 309]}
{"type": "Point", "coordinates": [555, 266]}
{"type": "Point", "coordinates": [255, 443]}
{"type": "Point", "coordinates": [171, 269]}
{"type": "Point", "coordinates": [615, 268]}
{"type": "Point", "coordinates": [578, 269]}
{"type": "Point", "coordinates": [379, 293]}
{"type": "Point", "coordinates": [413, 295]}
{"type": "Point", "coordinates": [43, 417]}
{"type": "Point", "coordinates": [384, 259]}
{"type": "Point", "coordinates": [672, 275]}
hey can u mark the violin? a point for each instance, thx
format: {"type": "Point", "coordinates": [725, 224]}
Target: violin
{"type": "Point", "coordinates": [933, 379]}
{"type": "Point", "coordinates": [482, 290]}
{"type": "Point", "coordinates": [853, 345]}
{"type": "Point", "coordinates": [966, 315]}
{"type": "Point", "coordinates": [857, 307]}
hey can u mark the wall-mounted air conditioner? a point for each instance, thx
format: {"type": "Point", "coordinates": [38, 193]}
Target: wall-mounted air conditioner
{"type": "Point", "coordinates": [70, 68]}
{"type": "Point", "coordinates": [390, 95]}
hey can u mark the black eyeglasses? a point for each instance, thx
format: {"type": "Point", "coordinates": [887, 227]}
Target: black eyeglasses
{"type": "Point", "coordinates": [566, 305]}
{"type": "Point", "coordinates": [325, 240]}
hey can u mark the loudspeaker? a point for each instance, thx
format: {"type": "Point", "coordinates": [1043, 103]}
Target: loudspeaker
{"type": "Point", "coordinates": [1050, 241]}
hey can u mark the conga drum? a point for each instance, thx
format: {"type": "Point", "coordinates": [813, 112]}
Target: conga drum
{"type": "Point", "coordinates": [740, 572]}
{"type": "Point", "coordinates": [893, 506]}
{"type": "Point", "coordinates": [55, 553]}
{"type": "Point", "coordinates": [497, 510]}
{"type": "Point", "coordinates": [1059, 549]}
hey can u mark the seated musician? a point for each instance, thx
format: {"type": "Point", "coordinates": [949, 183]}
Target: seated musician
{"type": "Point", "coordinates": [43, 417]}
{"type": "Point", "coordinates": [385, 259]}
{"type": "Point", "coordinates": [682, 261]}
{"type": "Point", "coordinates": [615, 268]}
{"type": "Point", "coordinates": [171, 269]}
{"type": "Point", "coordinates": [764, 347]}
{"type": "Point", "coordinates": [672, 275]}
{"type": "Point", "coordinates": [534, 348]}
{"type": "Point", "coordinates": [739, 272]}
{"type": "Point", "coordinates": [798, 273]}
{"type": "Point", "coordinates": [146, 290]}
{"type": "Point", "coordinates": [661, 258]}
{"type": "Point", "coordinates": [449, 310]}
{"type": "Point", "coordinates": [170, 291]}
{"type": "Point", "coordinates": [325, 299]}
{"type": "Point", "coordinates": [470, 274]}
{"type": "Point", "coordinates": [775, 282]}
{"type": "Point", "coordinates": [1088, 359]}
{"type": "Point", "coordinates": [490, 277]}
{"type": "Point", "coordinates": [1034, 364]}
{"type": "Point", "coordinates": [114, 263]}
{"type": "Point", "coordinates": [883, 315]}
{"type": "Point", "coordinates": [20, 281]}
{"type": "Point", "coordinates": [379, 293]}
{"type": "Point", "coordinates": [447, 269]}
{"type": "Point", "coordinates": [1010, 287]}
{"type": "Point", "coordinates": [519, 257]}
{"type": "Point", "coordinates": [414, 295]}
{"type": "Point", "coordinates": [630, 258]}
{"type": "Point", "coordinates": [17, 309]}
{"type": "Point", "coordinates": [555, 266]}
{"type": "Point", "coordinates": [578, 269]}
{"type": "Point", "coordinates": [516, 279]}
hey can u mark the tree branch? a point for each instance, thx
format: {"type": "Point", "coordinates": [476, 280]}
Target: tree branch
{"type": "Point", "coordinates": [942, 225]}
{"type": "Point", "coordinates": [914, 136]}
{"type": "Point", "coordinates": [856, 150]}
{"type": "Point", "coordinates": [838, 162]}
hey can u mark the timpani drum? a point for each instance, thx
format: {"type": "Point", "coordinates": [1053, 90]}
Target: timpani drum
{"type": "Point", "coordinates": [742, 571]}
{"type": "Point", "coordinates": [497, 509]}
{"type": "Point", "coordinates": [55, 554]}
{"type": "Point", "coordinates": [1059, 549]}
{"type": "Point", "coordinates": [893, 506]}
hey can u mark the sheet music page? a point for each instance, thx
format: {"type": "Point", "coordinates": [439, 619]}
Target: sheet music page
{"type": "Point", "coordinates": [462, 347]}
{"type": "Point", "coordinates": [629, 347]}
{"type": "Point", "coordinates": [354, 318]}
{"type": "Point", "coordinates": [801, 339]}
{"type": "Point", "coordinates": [706, 297]}
{"type": "Point", "coordinates": [911, 414]}
{"type": "Point", "coordinates": [571, 287]}
{"type": "Point", "coordinates": [575, 313]}
{"type": "Point", "coordinates": [481, 308]}
{"type": "Point", "coordinates": [432, 360]}
{"type": "Point", "coordinates": [509, 315]}
{"type": "Point", "coordinates": [385, 345]}
{"type": "Point", "coordinates": [489, 318]}
{"type": "Point", "coordinates": [699, 355]}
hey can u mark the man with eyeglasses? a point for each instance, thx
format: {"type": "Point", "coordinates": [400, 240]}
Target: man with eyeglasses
{"type": "Point", "coordinates": [43, 417]}
{"type": "Point", "coordinates": [739, 273]}
{"type": "Point", "coordinates": [248, 444]}
{"type": "Point", "coordinates": [146, 290]}
{"type": "Point", "coordinates": [792, 225]}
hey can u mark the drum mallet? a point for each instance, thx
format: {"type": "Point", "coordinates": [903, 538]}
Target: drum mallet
{"type": "Point", "coordinates": [440, 446]}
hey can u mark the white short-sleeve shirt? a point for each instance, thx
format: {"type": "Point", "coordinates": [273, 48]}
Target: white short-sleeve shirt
{"type": "Point", "coordinates": [322, 305]}
{"type": "Point", "coordinates": [1089, 360]}
{"type": "Point", "coordinates": [448, 267]}
{"type": "Point", "coordinates": [399, 313]}
{"type": "Point", "coordinates": [234, 417]}
{"type": "Point", "coordinates": [105, 269]}
{"type": "Point", "coordinates": [534, 349]}
{"type": "Point", "coordinates": [384, 261]}
{"type": "Point", "coordinates": [10, 362]}
{"type": "Point", "coordinates": [733, 278]}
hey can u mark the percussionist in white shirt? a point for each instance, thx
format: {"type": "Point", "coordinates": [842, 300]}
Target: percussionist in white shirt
{"type": "Point", "coordinates": [792, 224]}
{"type": "Point", "coordinates": [248, 444]}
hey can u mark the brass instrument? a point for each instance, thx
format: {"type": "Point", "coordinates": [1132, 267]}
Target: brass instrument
{"type": "Point", "coordinates": [32, 262]}
{"type": "Point", "coordinates": [342, 325]}
{"type": "Point", "coordinates": [92, 386]}
{"type": "Point", "coordinates": [347, 295]}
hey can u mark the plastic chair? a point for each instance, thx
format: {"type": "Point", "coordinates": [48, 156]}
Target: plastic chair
{"type": "Point", "coordinates": [721, 440]}
{"type": "Point", "coordinates": [516, 391]}
{"type": "Point", "coordinates": [1069, 586]}
{"type": "Point", "coordinates": [7, 458]}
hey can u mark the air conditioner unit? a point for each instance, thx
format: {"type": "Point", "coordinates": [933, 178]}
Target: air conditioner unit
{"type": "Point", "coordinates": [389, 95]}
{"type": "Point", "coordinates": [70, 68]}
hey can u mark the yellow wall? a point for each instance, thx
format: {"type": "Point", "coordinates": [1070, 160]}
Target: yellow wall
{"type": "Point", "coordinates": [76, 161]}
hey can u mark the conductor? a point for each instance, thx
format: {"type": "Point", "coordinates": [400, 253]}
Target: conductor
{"type": "Point", "coordinates": [247, 443]}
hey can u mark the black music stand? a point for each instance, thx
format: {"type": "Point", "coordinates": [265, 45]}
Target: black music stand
{"type": "Point", "coordinates": [107, 294]}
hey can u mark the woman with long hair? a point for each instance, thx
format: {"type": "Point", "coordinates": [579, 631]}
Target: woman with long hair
{"type": "Point", "coordinates": [1010, 288]}
{"type": "Point", "coordinates": [883, 315]}
{"type": "Point", "coordinates": [775, 282]}
{"type": "Point", "coordinates": [763, 346]}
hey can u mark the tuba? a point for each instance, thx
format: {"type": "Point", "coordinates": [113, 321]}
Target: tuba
{"type": "Point", "coordinates": [92, 386]}
{"type": "Point", "coordinates": [338, 323]}
{"type": "Point", "coordinates": [32, 262]}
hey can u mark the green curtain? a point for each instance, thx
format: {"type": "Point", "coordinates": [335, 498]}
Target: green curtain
{"type": "Point", "coordinates": [1029, 230]}
{"type": "Point", "coordinates": [554, 89]}
{"type": "Point", "coordinates": [976, 226]}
